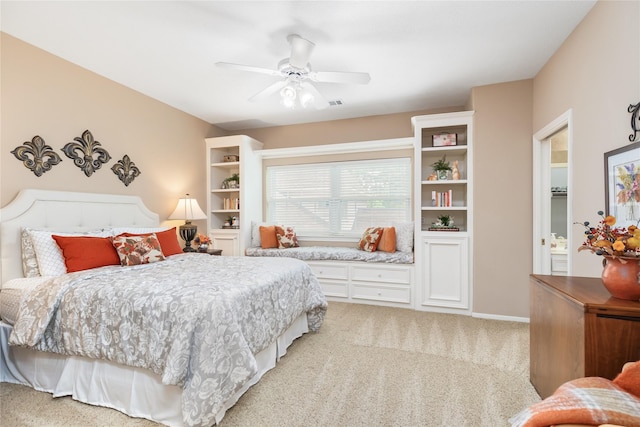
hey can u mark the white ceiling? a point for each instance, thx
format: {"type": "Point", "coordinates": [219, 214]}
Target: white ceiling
{"type": "Point", "coordinates": [420, 54]}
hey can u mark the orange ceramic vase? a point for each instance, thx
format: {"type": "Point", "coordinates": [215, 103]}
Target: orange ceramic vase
{"type": "Point", "coordinates": [622, 280]}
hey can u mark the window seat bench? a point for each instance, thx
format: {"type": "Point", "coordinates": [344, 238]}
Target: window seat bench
{"type": "Point", "coordinates": [352, 275]}
{"type": "Point", "coordinates": [330, 253]}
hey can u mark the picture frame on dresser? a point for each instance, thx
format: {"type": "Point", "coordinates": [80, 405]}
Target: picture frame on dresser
{"type": "Point", "coordinates": [621, 176]}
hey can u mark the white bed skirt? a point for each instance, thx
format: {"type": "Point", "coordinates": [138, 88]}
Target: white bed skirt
{"type": "Point", "coordinates": [134, 391]}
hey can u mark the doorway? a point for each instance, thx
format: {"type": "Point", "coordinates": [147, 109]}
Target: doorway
{"type": "Point", "coordinates": [552, 197]}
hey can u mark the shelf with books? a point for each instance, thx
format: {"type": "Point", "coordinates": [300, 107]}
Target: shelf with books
{"type": "Point", "coordinates": [234, 175]}
{"type": "Point", "coordinates": [441, 140]}
{"type": "Point", "coordinates": [454, 194]}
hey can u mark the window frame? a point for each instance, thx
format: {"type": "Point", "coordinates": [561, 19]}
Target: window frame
{"type": "Point", "coordinates": [341, 153]}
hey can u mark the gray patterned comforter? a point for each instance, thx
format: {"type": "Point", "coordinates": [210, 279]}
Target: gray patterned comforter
{"type": "Point", "coordinates": [193, 319]}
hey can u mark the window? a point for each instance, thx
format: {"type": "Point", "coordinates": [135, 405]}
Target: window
{"type": "Point", "coordinates": [339, 199]}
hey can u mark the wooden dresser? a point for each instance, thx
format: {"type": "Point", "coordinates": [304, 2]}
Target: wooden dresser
{"type": "Point", "coordinates": [578, 330]}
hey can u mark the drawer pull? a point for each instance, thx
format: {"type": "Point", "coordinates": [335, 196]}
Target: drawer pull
{"type": "Point", "coordinates": [379, 275]}
{"type": "Point", "coordinates": [618, 317]}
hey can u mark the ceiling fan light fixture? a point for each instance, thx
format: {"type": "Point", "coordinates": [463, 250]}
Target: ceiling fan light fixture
{"type": "Point", "coordinates": [288, 96]}
{"type": "Point", "coordinates": [306, 98]}
{"type": "Point", "coordinates": [289, 92]}
{"type": "Point", "coordinates": [293, 95]}
{"type": "Point", "coordinates": [295, 87]}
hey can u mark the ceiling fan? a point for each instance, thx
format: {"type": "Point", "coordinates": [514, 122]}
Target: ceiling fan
{"type": "Point", "coordinates": [295, 86]}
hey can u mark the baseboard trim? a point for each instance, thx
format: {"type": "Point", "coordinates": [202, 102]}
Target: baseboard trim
{"type": "Point", "coordinates": [500, 317]}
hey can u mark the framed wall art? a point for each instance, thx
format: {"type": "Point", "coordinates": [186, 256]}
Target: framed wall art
{"type": "Point", "coordinates": [622, 184]}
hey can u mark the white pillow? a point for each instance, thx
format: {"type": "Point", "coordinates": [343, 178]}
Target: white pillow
{"type": "Point", "coordinates": [404, 236]}
{"type": "Point", "coordinates": [48, 253]}
{"type": "Point", "coordinates": [255, 233]}
{"type": "Point", "coordinates": [136, 230]}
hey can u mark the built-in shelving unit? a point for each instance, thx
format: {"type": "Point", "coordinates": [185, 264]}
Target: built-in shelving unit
{"type": "Point", "coordinates": [242, 201]}
{"type": "Point", "coordinates": [444, 273]}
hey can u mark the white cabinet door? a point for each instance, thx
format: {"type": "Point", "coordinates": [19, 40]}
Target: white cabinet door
{"type": "Point", "coordinates": [228, 242]}
{"type": "Point", "coordinates": [445, 274]}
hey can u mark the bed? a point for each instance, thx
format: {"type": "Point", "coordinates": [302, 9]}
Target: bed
{"type": "Point", "coordinates": [177, 341]}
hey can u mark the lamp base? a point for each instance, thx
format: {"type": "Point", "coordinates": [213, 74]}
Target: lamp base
{"type": "Point", "coordinates": [188, 232]}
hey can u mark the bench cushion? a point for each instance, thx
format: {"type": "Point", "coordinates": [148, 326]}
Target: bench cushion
{"type": "Point", "coordinates": [322, 253]}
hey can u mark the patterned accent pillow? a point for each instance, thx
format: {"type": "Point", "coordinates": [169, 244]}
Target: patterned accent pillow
{"type": "Point", "coordinates": [168, 240]}
{"type": "Point", "coordinates": [29, 260]}
{"type": "Point", "coordinates": [136, 250]}
{"type": "Point", "coordinates": [370, 239]}
{"type": "Point", "coordinates": [404, 236]}
{"type": "Point", "coordinates": [286, 237]}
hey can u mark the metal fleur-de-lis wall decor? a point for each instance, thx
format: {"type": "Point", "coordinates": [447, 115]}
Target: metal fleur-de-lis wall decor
{"type": "Point", "coordinates": [36, 155]}
{"type": "Point", "coordinates": [635, 120]}
{"type": "Point", "coordinates": [126, 170]}
{"type": "Point", "coordinates": [83, 152]}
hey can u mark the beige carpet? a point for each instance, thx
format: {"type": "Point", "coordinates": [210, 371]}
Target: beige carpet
{"type": "Point", "coordinates": [368, 366]}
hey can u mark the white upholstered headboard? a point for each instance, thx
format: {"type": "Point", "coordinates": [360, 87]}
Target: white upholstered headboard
{"type": "Point", "coordinates": [64, 211]}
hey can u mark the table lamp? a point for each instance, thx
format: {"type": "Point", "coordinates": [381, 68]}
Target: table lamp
{"type": "Point", "coordinates": [188, 209]}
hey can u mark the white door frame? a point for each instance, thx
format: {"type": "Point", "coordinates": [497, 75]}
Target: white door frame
{"type": "Point", "coordinates": [542, 193]}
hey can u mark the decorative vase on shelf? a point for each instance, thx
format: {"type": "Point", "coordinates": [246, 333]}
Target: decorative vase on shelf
{"type": "Point", "coordinates": [443, 174]}
{"type": "Point", "coordinates": [622, 279]}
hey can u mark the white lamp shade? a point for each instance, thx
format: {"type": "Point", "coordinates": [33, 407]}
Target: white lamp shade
{"type": "Point", "coordinates": [188, 209]}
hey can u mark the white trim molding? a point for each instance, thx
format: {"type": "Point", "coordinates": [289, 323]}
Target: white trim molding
{"type": "Point", "coordinates": [500, 317]}
{"type": "Point", "coordinates": [541, 193]}
{"type": "Point", "coordinates": [344, 148]}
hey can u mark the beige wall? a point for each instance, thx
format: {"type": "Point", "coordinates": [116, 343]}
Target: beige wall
{"type": "Point", "coordinates": [596, 73]}
{"type": "Point", "coordinates": [502, 189]}
{"type": "Point", "coordinates": [50, 97]}
{"type": "Point", "coordinates": [340, 131]}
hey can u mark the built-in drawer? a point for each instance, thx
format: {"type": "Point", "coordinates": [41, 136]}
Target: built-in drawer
{"type": "Point", "coordinates": [332, 288]}
{"type": "Point", "coordinates": [382, 274]}
{"type": "Point", "coordinates": [400, 294]}
{"type": "Point", "coordinates": [330, 271]}
{"type": "Point", "coordinates": [559, 263]}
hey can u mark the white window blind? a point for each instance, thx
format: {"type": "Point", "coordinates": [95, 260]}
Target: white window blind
{"type": "Point", "coordinates": [339, 198]}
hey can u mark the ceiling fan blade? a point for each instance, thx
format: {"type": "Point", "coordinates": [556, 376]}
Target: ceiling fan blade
{"type": "Point", "coordinates": [300, 51]}
{"type": "Point", "coordinates": [249, 68]}
{"type": "Point", "coordinates": [268, 91]}
{"type": "Point", "coordinates": [318, 100]}
{"type": "Point", "coordinates": [339, 77]}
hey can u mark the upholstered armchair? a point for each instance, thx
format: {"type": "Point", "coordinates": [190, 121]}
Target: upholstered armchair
{"type": "Point", "coordinates": [590, 401]}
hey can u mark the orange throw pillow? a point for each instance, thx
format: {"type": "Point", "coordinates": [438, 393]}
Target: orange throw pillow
{"type": "Point", "coordinates": [629, 379]}
{"type": "Point", "coordinates": [268, 237]}
{"type": "Point", "coordinates": [84, 253]}
{"type": "Point", "coordinates": [388, 240]}
{"type": "Point", "coordinates": [168, 240]}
